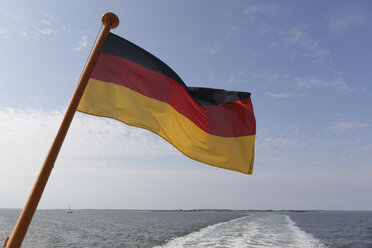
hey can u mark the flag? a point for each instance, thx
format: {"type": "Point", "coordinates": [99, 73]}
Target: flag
{"type": "Point", "coordinates": [213, 126]}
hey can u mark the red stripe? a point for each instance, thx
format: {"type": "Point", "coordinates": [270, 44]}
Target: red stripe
{"type": "Point", "coordinates": [227, 120]}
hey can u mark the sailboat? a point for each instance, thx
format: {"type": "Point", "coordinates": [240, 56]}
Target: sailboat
{"type": "Point", "coordinates": [69, 211]}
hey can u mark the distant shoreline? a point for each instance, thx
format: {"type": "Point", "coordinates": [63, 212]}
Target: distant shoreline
{"type": "Point", "coordinates": [257, 210]}
{"type": "Point", "coordinates": [204, 210]}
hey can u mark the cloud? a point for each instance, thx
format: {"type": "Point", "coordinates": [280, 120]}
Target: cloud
{"type": "Point", "coordinates": [4, 33]}
{"type": "Point", "coordinates": [348, 16]}
{"type": "Point", "coordinates": [343, 126]}
{"type": "Point", "coordinates": [254, 10]}
{"type": "Point", "coordinates": [336, 82]}
{"type": "Point", "coordinates": [232, 31]}
{"type": "Point", "coordinates": [49, 16]}
{"type": "Point", "coordinates": [231, 79]}
{"type": "Point", "coordinates": [18, 17]}
{"type": "Point", "coordinates": [66, 29]}
{"type": "Point", "coordinates": [340, 23]}
{"type": "Point", "coordinates": [29, 34]}
{"type": "Point", "coordinates": [49, 19]}
{"type": "Point", "coordinates": [212, 49]}
{"type": "Point", "coordinates": [26, 135]}
{"type": "Point", "coordinates": [222, 79]}
{"type": "Point", "coordinates": [46, 31]}
{"type": "Point", "coordinates": [296, 37]}
{"type": "Point", "coordinates": [313, 144]}
{"type": "Point", "coordinates": [299, 37]}
{"type": "Point", "coordinates": [32, 28]}
{"type": "Point", "coordinates": [282, 142]}
{"type": "Point", "coordinates": [46, 22]}
{"type": "Point", "coordinates": [280, 95]}
{"type": "Point", "coordinates": [83, 43]}
{"type": "Point", "coordinates": [35, 32]}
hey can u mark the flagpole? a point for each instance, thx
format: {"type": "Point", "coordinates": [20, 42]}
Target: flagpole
{"type": "Point", "coordinates": [109, 20]}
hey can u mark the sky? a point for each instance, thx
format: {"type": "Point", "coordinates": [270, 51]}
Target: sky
{"type": "Point", "coordinates": [306, 63]}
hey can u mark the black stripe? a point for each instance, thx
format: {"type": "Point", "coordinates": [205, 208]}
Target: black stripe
{"type": "Point", "coordinates": [209, 96]}
{"type": "Point", "coordinates": [118, 46]}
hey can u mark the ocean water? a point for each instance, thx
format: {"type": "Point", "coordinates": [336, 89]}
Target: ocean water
{"type": "Point", "coordinates": [172, 229]}
{"type": "Point", "coordinates": [337, 229]}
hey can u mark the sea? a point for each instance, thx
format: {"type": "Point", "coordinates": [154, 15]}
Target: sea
{"type": "Point", "coordinates": [206, 228]}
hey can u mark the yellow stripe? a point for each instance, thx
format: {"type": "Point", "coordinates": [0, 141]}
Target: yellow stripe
{"type": "Point", "coordinates": [132, 108]}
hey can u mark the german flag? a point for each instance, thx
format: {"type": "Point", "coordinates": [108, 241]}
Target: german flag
{"type": "Point", "coordinates": [213, 126]}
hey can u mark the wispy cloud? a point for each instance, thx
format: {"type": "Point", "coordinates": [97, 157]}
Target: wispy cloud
{"type": "Point", "coordinates": [336, 82]}
{"type": "Point", "coordinates": [30, 34]}
{"type": "Point", "coordinates": [4, 33]}
{"type": "Point", "coordinates": [231, 32]}
{"type": "Point", "coordinates": [340, 23]}
{"type": "Point", "coordinates": [299, 37]}
{"type": "Point", "coordinates": [316, 143]}
{"type": "Point", "coordinates": [31, 27]}
{"type": "Point", "coordinates": [212, 49]}
{"type": "Point", "coordinates": [35, 32]}
{"type": "Point", "coordinates": [239, 77]}
{"type": "Point", "coordinates": [49, 16]}
{"type": "Point", "coordinates": [46, 22]}
{"type": "Point", "coordinates": [281, 142]}
{"type": "Point", "coordinates": [281, 95]}
{"type": "Point", "coordinates": [349, 16]}
{"type": "Point", "coordinates": [254, 10]}
{"type": "Point", "coordinates": [83, 43]}
{"type": "Point", "coordinates": [46, 31]}
{"type": "Point", "coordinates": [30, 133]}
{"type": "Point", "coordinates": [231, 79]}
{"type": "Point", "coordinates": [296, 37]}
{"type": "Point", "coordinates": [343, 126]}
{"type": "Point", "coordinates": [18, 17]}
{"type": "Point", "coordinates": [66, 29]}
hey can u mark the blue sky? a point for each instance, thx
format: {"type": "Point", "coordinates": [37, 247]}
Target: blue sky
{"type": "Point", "coordinates": [307, 64]}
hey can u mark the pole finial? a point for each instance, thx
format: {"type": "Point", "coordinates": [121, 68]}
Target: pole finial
{"type": "Point", "coordinates": [110, 19]}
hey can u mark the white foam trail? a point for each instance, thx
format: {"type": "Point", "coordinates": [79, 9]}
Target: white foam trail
{"type": "Point", "coordinates": [256, 231]}
{"type": "Point", "coordinates": [303, 238]}
{"type": "Point", "coordinates": [205, 237]}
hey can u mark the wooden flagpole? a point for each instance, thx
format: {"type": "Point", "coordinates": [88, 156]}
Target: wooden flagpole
{"type": "Point", "coordinates": [109, 20]}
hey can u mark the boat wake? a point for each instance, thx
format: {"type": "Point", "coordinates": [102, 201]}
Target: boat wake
{"type": "Point", "coordinates": [256, 230]}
